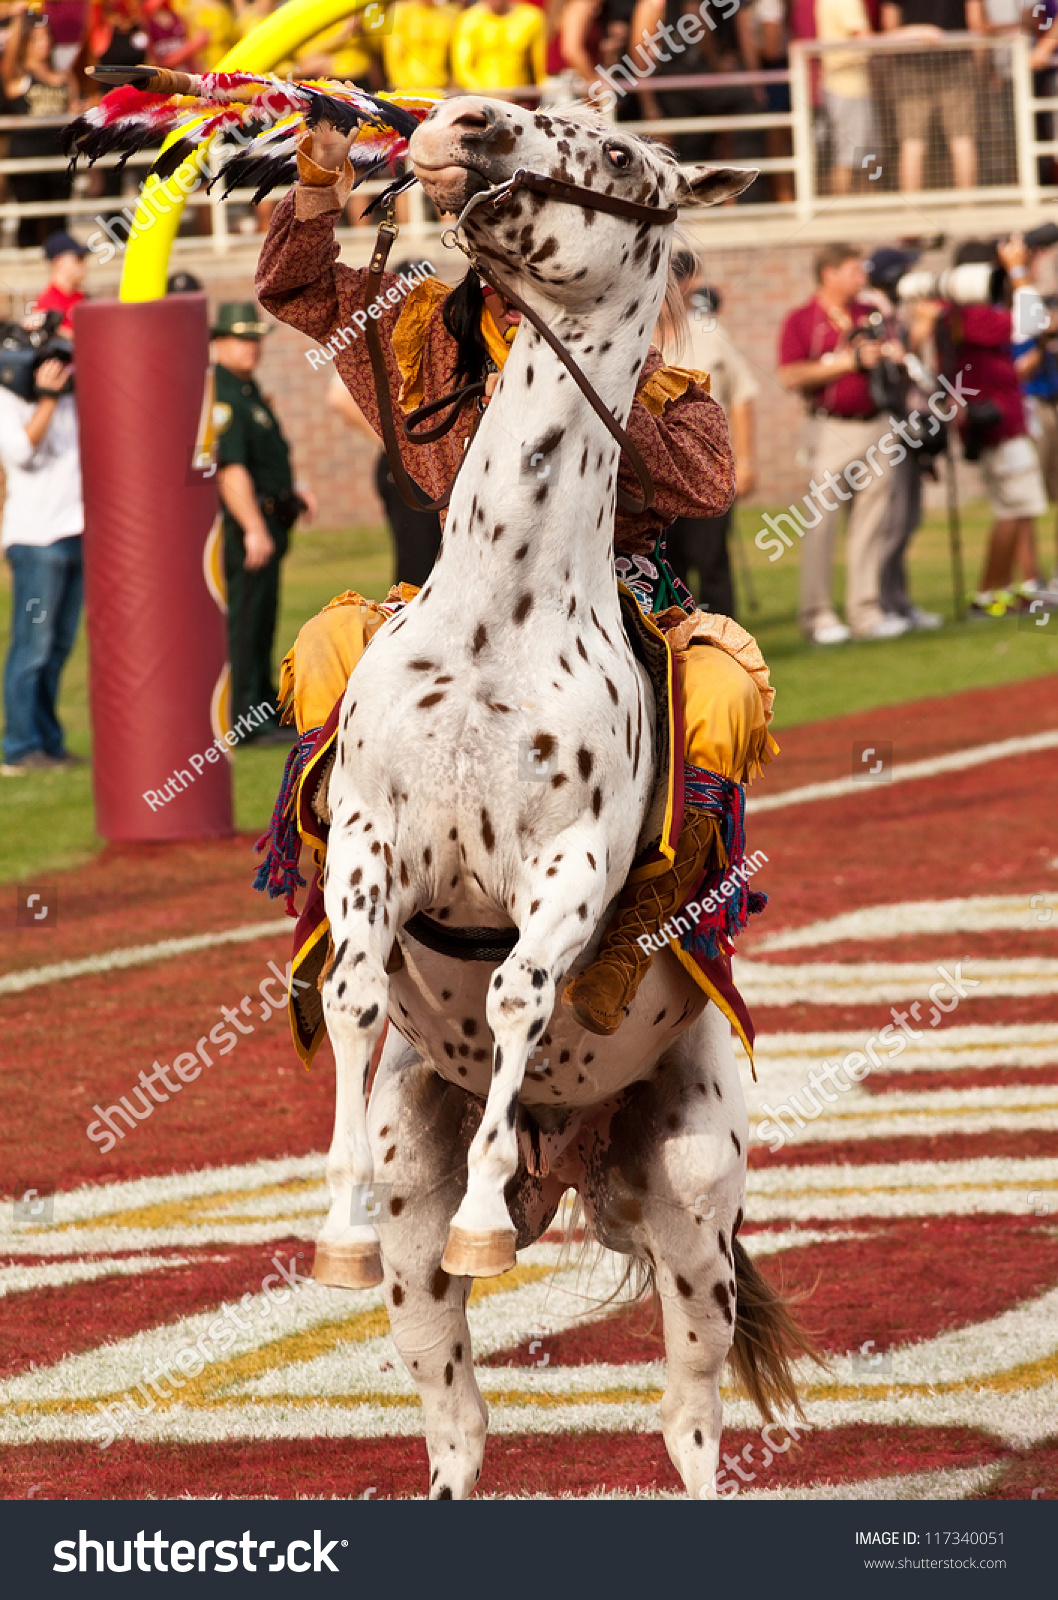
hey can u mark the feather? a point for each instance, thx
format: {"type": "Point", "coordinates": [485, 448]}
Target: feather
{"type": "Point", "coordinates": [255, 121]}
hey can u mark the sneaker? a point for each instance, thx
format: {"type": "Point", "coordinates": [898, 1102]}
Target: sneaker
{"type": "Point", "coordinates": [35, 761]}
{"type": "Point", "coordinates": [830, 633]}
{"type": "Point", "coordinates": [1034, 589]}
{"type": "Point", "coordinates": [922, 621]}
{"type": "Point", "coordinates": [987, 603]}
{"type": "Point", "coordinates": [887, 627]}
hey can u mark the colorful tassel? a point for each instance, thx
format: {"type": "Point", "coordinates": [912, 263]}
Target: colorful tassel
{"type": "Point", "coordinates": [714, 928]}
{"type": "Point", "coordinates": [278, 873]}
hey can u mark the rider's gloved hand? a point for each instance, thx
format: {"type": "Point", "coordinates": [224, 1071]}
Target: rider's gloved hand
{"type": "Point", "coordinates": [326, 147]}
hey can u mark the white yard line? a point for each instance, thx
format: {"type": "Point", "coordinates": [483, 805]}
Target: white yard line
{"type": "Point", "coordinates": [825, 983]}
{"type": "Point", "coordinates": [915, 918]}
{"type": "Point", "coordinates": [955, 761]}
{"type": "Point", "coordinates": [138, 955]}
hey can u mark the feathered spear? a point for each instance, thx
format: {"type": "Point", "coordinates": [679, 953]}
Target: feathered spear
{"type": "Point", "coordinates": [258, 119]}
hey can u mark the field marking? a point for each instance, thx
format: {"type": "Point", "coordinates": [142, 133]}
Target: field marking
{"type": "Point", "coordinates": [826, 983]}
{"type": "Point", "coordinates": [916, 918]}
{"type": "Point", "coordinates": [1000, 1044]}
{"type": "Point", "coordinates": [137, 955]}
{"type": "Point", "coordinates": [955, 761]}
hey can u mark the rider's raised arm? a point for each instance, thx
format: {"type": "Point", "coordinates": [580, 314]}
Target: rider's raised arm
{"type": "Point", "coordinates": [682, 436]}
{"type": "Point", "coordinates": [301, 281]}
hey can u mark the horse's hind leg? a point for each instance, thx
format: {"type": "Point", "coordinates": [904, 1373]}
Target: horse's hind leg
{"type": "Point", "coordinates": [677, 1166]}
{"type": "Point", "coordinates": [421, 1129]}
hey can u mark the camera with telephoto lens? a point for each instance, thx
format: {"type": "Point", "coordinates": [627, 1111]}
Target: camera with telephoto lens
{"type": "Point", "coordinates": [974, 283]}
{"type": "Point", "coordinates": [887, 379]}
{"type": "Point", "coordinates": [24, 350]}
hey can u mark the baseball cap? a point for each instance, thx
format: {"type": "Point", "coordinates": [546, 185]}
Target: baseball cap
{"type": "Point", "coordinates": [61, 244]}
{"type": "Point", "coordinates": [887, 265]}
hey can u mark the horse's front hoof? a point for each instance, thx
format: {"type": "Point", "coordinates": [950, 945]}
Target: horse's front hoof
{"type": "Point", "coordinates": [479, 1255]}
{"type": "Point", "coordinates": [347, 1266]}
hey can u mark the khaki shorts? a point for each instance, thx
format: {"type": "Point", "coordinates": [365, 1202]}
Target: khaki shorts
{"type": "Point", "coordinates": [952, 95]}
{"type": "Point", "coordinates": [850, 127]}
{"type": "Point", "coordinates": [1012, 477]}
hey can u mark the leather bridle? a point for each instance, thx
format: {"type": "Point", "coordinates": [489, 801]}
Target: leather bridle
{"type": "Point", "coordinates": [535, 183]}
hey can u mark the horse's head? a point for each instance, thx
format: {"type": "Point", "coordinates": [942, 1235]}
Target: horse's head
{"type": "Point", "coordinates": [571, 252]}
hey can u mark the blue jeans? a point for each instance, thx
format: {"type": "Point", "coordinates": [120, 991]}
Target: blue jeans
{"type": "Point", "coordinates": [47, 585]}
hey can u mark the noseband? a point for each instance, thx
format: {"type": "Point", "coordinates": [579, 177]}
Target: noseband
{"type": "Point", "coordinates": [553, 189]}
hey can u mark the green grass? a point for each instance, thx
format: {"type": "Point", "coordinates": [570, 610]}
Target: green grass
{"type": "Point", "coordinates": [814, 683]}
{"type": "Point", "coordinates": [46, 820]}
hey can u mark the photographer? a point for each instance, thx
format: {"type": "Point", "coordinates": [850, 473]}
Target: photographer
{"type": "Point", "coordinates": [907, 399]}
{"type": "Point", "coordinates": [825, 355]}
{"type": "Point", "coordinates": [42, 527]}
{"type": "Point", "coordinates": [974, 345]}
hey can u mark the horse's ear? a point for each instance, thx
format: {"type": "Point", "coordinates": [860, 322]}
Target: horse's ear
{"type": "Point", "coordinates": [708, 186]}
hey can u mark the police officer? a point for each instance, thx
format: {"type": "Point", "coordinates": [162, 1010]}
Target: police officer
{"type": "Point", "coordinates": [260, 507]}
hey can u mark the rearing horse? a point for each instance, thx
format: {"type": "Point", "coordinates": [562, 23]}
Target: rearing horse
{"type": "Point", "coordinates": [490, 1099]}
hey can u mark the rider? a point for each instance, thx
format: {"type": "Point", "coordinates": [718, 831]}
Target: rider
{"type": "Point", "coordinates": [435, 339]}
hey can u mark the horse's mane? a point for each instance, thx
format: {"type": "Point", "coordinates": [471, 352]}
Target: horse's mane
{"type": "Point", "coordinates": [461, 315]}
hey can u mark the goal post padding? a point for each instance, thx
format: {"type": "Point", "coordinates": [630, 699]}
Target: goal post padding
{"type": "Point", "coordinates": [157, 649]}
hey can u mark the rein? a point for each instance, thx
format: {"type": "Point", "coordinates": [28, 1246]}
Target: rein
{"type": "Point", "coordinates": [536, 183]}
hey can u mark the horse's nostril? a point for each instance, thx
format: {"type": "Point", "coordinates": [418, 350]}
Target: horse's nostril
{"type": "Point", "coordinates": [474, 119]}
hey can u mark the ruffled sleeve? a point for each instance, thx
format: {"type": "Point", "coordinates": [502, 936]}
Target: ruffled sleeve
{"type": "Point", "coordinates": [668, 384]}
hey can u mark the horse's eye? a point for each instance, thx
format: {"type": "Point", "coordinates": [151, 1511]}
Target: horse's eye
{"type": "Point", "coordinates": [617, 156]}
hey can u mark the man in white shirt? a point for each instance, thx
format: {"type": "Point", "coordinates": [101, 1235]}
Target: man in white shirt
{"type": "Point", "coordinates": [702, 542]}
{"type": "Point", "coordinates": [42, 527]}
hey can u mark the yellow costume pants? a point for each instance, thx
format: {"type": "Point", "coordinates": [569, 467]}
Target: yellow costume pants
{"type": "Point", "coordinates": [727, 698]}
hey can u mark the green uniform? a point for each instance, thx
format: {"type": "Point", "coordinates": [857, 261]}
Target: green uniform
{"type": "Point", "coordinates": [249, 435]}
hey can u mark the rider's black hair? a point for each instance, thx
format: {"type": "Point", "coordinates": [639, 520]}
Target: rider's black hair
{"type": "Point", "coordinates": [462, 317]}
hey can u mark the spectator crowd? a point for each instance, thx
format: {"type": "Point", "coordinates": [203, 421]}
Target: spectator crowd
{"type": "Point", "coordinates": [883, 374]}
{"type": "Point", "coordinates": [926, 116]}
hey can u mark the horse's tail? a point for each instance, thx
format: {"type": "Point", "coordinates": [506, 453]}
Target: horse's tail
{"type": "Point", "coordinates": [768, 1339]}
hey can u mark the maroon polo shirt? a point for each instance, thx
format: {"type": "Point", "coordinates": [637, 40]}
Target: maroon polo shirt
{"type": "Point", "coordinates": [807, 335]}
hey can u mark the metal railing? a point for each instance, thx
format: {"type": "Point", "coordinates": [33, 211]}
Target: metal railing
{"type": "Point", "coordinates": [1013, 138]}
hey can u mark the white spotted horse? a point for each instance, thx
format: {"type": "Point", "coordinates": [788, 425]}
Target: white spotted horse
{"type": "Point", "coordinates": [447, 840]}
{"type": "Point", "coordinates": [490, 1100]}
